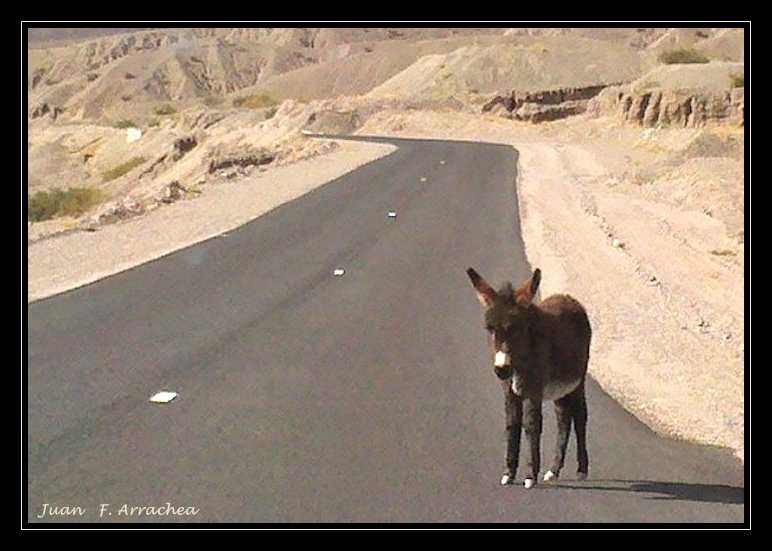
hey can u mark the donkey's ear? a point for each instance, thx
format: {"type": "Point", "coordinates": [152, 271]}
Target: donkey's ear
{"type": "Point", "coordinates": [485, 293]}
{"type": "Point", "coordinates": [524, 295]}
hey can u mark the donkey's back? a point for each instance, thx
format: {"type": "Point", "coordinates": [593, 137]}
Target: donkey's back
{"type": "Point", "coordinates": [562, 335]}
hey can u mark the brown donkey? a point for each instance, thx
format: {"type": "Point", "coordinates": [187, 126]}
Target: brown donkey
{"type": "Point", "coordinates": [540, 352]}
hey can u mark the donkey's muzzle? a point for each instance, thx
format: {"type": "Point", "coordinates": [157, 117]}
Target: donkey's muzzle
{"type": "Point", "coordinates": [504, 372]}
{"type": "Point", "coordinates": [501, 359]}
{"type": "Point", "coordinates": [502, 365]}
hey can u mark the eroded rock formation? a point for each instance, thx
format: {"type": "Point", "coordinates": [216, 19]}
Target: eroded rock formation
{"type": "Point", "coordinates": [680, 108]}
{"type": "Point", "coordinates": [248, 157]}
{"type": "Point", "coordinates": [544, 105]}
{"type": "Point", "coordinates": [45, 109]}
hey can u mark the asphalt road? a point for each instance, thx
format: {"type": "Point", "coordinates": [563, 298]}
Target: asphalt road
{"type": "Point", "coordinates": [308, 397]}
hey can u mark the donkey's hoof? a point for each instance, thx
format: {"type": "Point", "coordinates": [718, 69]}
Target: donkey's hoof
{"type": "Point", "coordinates": [549, 476]}
{"type": "Point", "coordinates": [507, 478]}
{"type": "Point", "coordinates": [581, 476]}
{"type": "Point", "coordinates": [528, 483]}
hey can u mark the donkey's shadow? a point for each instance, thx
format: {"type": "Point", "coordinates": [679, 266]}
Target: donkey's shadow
{"type": "Point", "coordinates": [713, 493]}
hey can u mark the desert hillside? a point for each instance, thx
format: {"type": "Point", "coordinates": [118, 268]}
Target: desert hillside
{"type": "Point", "coordinates": [112, 111]}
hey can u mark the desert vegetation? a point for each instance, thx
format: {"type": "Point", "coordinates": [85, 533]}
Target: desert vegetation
{"type": "Point", "coordinates": [682, 55]}
{"type": "Point", "coordinates": [125, 123]}
{"type": "Point", "coordinates": [123, 168]}
{"type": "Point", "coordinates": [56, 202]}
{"type": "Point", "coordinates": [165, 109]}
{"type": "Point", "coordinates": [255, 101]}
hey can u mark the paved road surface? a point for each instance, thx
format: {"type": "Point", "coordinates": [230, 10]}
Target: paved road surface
{"type": "Point", "coordinates": [306, 397]}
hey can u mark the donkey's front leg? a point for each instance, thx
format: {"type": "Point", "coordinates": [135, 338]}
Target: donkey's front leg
{"type": "Point", "coordinates": [564, 411]}
{"type": "Point", "coordinates": [513, 407]}
{"type": "Point", "coordinates": [532, 423]}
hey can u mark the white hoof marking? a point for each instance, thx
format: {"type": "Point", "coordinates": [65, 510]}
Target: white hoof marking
{"type": "Point", "coordinates": [506, 479]}
{"type": "Point", "coordinates": [549, 475]}
{"type": "Point", "coordinates": [528, 483]}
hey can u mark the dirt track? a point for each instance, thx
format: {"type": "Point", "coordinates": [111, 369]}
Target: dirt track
{"type": "Point", "coordinates": [664, 285]}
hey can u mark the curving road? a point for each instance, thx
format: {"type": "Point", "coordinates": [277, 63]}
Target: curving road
{"type": "Point", "coordinates": [309, 397]}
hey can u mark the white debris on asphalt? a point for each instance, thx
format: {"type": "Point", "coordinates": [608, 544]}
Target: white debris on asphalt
{"type": "Point", "coordinates": [163, 397]}
{"type": "Point", "coordinates": [339, 272]}
{"type": "Point", "coordinates": [423, 178]}
{"type": "Point", "coordinates": [392, 214]}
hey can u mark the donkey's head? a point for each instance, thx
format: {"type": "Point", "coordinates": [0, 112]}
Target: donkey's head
{"type": "Point", "coordinates": [507, 319]}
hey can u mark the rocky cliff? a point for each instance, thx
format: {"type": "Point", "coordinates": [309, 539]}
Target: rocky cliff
{"type": "Point", "coordinates": [665, 107]}
{"type": "Point", "coordinates": [684, 95]}
{"type": "Point", "coordinates": [658, 107]}
{"type": "Point", "coordinates": [543, 105]}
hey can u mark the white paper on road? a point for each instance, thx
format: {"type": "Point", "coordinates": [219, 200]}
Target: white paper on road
{"type": "Point", "coordinates": [163, 397]}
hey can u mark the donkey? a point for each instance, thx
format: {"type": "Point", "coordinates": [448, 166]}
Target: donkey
{"type": "Point", "coordinates": [540, 352]}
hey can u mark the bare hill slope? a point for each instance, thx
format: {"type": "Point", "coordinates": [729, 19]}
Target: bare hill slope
{"type": "Point", "coordinates": [101, 77]}
{"type": "Point", "coordinates": [130, 98]}
{"type": "Point", "coordinates": [542, 63]}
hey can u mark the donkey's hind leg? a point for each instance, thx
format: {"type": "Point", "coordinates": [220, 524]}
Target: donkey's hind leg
{"type": "Point", "coordinates": [580, 426]}
{"type": "Point", "coordinates": [564, 411]}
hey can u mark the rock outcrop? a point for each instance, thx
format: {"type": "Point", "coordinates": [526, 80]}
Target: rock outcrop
{"type": "Point", "coordinates": [545, 105]}
{"type": "Point", "coordinates": [172, 192]}
{"type": "Point", "coordinates": [114, 211]}
{"type": "Point", "coordinates": [666, 107]}
{"type": "Point", "coordinates": [182, 146]}
{"type": "Point", "coordinates": [245, 158]}
{"type": "Point", "coordinates": [330, 121]}
{"type": "Point", "coordinates": [45, 109]}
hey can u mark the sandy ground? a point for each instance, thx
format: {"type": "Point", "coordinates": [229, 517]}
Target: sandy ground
{"type": "Point", "coordinates": [664, 286]}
